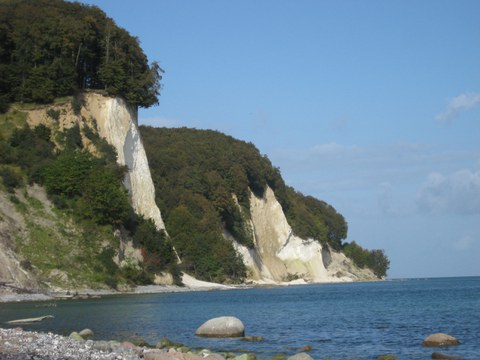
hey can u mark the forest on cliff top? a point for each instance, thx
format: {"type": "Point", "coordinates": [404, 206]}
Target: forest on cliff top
{"type": "Point", "coordinates": [53, 48]}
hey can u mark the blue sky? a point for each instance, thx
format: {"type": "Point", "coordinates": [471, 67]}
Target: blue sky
{"type": "Point", "coordinates": [372, 106]}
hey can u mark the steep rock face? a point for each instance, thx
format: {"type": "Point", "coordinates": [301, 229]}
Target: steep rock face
{"type": "Point", "coordinates": [117, 123]}
{"type": "Point", "coordinates": [281, 256]}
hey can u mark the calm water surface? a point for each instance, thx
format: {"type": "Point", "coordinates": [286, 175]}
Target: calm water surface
{"type": "Point", "coordinates": [340, 321]}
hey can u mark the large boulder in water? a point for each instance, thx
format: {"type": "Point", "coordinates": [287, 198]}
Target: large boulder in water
{"type": "Point", "coordinates": [224, 326]}
{"type": "Point", "coordinates": [440, 339]}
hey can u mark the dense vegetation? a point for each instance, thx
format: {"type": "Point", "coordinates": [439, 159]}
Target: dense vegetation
{"type": "Point", "coordinates": [53, 48]}
{"type": "Point", "coordinates": [90, 189]}
{"type": "Point", "coordinates": [373, 259]}
{"type": "Point", "coordinates": [197, 172]}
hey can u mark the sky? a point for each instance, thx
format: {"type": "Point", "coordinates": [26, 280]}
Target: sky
{"type": "Point", "coordinates": [372, 106]}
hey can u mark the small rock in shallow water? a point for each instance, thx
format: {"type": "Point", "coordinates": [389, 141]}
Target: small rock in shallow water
{"type": "Point", "coordinates": [300, 356]}
{"type": "Point", "coordinates": [167, 343]}
{"type": "Point", "coordinates": [387, 357]}
{"type": "Point", "coordinates": [252, 338]}
{"type": "Point", "coordinates": [439, 340]}
{"type": "Point", "coordinates": [437, 355]}
{"type": "Point", "coordinates": [76, 336]}
{"type": "Point", "coordinates": [86, 333]}
{"type": "Point", "coordinates": [306, 348]}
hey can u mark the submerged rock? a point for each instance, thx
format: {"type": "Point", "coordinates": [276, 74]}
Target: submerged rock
{"type": "Point", "coordinates": [387, 357]}
{"type": "Point", "coordinates": [306, 348]}
{"type": "Point", "coordinates": [30, 320]}
{"type": "Point", "coordinates": [252, 338]}
{"type": "Point", "coordinates": [437, 355]}
{"type": "Point", "coordinates": [439, 340]}
{"type": "Point", "coordinates": [225, 326]}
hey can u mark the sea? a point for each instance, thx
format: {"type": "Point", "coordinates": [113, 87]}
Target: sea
{"type": "Point", "coordinates": [338, 321]}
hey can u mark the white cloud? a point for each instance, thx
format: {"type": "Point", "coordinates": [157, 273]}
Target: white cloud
{"type": "Point", "coordinates": [458, 192]}
{"type": "Point", "coordinates": [457, 104]}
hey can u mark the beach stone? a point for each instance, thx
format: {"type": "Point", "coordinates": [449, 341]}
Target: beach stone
{"type": "Point", "coordinates": [306, 348]}
{"type": "Point", "coordinates": [214, 356]}
{"type": "Point", "coordinates": [224, 326]}
{"type": "Point", "coordinates": [300, 356]}
{"type": "Point", "coordinates": [156, 354]}
{"type": "Point", "coordinates": [139, 341]}
{"type": "Point", "coordinates": [86, 333]}
{"type": "Point", "coordinates": [437, 355]}
{"type": "Point", "coordinates": [131, 346]}
{"type": "Point", "coordinates": [76, 336]}
{"type": "Point", "coordinates": [246, 357]}
{"type": "Point", "coordinates": [102, 345]}
{"type": "Point", "coordinates": [440, 339]}
{"type": "Point", "coordinates": [167, 343]}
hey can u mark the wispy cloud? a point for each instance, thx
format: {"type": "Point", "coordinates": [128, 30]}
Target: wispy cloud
{"type": "Point", "coordinates": [464, 243]}
{"type": "Point", "coordinates": [457, 104]}
{"type": "Point", "coordinates": [458, 192]}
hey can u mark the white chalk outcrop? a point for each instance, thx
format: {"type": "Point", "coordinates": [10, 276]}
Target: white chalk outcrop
{"type": "Point", "coordinates": [280, 256]}
{"type": "Point", "coordinates": [117, 122]}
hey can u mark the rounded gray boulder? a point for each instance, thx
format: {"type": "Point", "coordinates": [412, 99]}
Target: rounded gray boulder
{"type": "Point", "coordinates": [224, 326]}
{"type": "Point", "coordinates": [439, 340]}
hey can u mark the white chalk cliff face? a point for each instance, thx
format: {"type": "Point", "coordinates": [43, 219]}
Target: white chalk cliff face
{"type": "Point", "coordinates": [280, 256]}
{"type": "Point", "coordinates": [117, 122]}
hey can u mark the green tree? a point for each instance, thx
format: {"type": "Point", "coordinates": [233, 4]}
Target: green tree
{"type": "Point", "coordinates": [103, 198]}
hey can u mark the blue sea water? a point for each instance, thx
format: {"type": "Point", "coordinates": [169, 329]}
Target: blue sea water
{"type": "Point", "coordinates": [339, 321]}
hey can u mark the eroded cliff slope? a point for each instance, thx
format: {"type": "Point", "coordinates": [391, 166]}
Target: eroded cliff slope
{"type": "Point", "coordinates": [281, 256]}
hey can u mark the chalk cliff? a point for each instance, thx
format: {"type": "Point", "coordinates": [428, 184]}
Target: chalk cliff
{"type": "Point", "coordinates": [280, 256]}
{"type": "Point", "coordinates": [117, 122]}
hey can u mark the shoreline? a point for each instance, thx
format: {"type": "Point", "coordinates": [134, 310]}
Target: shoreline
{"type": "Point", "coordinates": [12, 294]}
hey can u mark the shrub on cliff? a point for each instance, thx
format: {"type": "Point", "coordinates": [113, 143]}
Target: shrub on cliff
{"type": "Point", "coordinates": [372, 259]}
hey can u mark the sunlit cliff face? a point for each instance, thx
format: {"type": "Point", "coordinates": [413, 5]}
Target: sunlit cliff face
{"type": "Point", "coordinates": [281, 256]}
{"type": "Point", "coordinates": [117, 122]}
